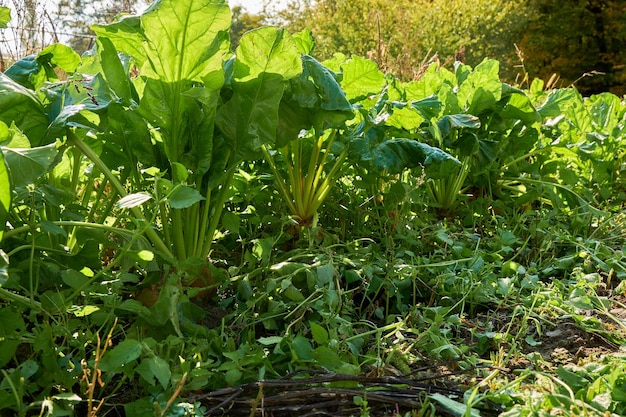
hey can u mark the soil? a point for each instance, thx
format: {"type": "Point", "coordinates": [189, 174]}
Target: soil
{"type": "Point", "coordinates": [567, 343]}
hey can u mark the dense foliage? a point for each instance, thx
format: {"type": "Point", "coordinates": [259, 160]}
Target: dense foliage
{"type": "Point", "coordinates": [179, 218]}
{"type": "Point", "coordinates": [541, 38]}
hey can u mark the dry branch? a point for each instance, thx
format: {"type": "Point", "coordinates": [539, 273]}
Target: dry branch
{"type": "Point", "coordinates": [321, 393]}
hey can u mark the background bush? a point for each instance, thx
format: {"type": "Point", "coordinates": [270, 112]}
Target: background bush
{"type": "Point", "coordinates": [576, 40]}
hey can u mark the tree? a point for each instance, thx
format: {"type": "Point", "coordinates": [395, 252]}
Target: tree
{"type": "Point", "coordinates": [366, 28]}
{"type": "Point", "coordinates": [28, 30]}
{"type": "Point", "coordinates": [402, 34]}
{"type": "Point", "coordinates": [36, 24]}
{"type": "Point", "coordinates": [580, 41]}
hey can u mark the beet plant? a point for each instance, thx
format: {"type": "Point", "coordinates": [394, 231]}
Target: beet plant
{"type": "Point", "coordinates": [205, 110]}
{"type": "Point", "coordinates": [140, 166]}
{"type": "Point", "coordinates": [312, 144]}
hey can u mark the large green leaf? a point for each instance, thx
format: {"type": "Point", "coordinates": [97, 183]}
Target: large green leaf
{"type": "Point", "coordinates": [606, 109]}
{"type": "Point", "coordinates": [33, 71]}
{"type": "Point", "coordinates": [520, 107]}
{"type": "Point", "coordinates": [199, 153]}
{"type": "Point", "coordinates": [481, 89]}
{"type": "Point", "coordinates": [305, 41]}
{"type": "Point", "coordinates": [314, 95]}
{"type": "Point", "coordinates": [113, 70]}
{"type": "Point", "coordinates": [428, 107]}
{"type": "Point", "coordinates": [316, 88]}
{"type": "Point", "coordinates": [127, 36]}
{"type": "Point", "coordinates": [184, 115]}
{"type": "Point", "coordinates": [59, 55]}
{"type": "Point", "coordinates": [5, 195]}
{"type": "Point", "coordinates": [395, 155]}
{"type": "Point", "coordinates": [411, 115]}
{"type": "Point", "coordinates": [558, 101]}
{"type": "Point", "coordinates": [265, 59]}
{"type": "Point", "coordinates": [266, 50]}
{"type": "Point", "coordinates": [361, 77]}
{"type": "Point", "coordinates": [430, 83]}
{"type": "Point", "coordinates": [79, 106]}
{"type": "Point", "coordinates": [27, 165]}
{"type": "Point", "coordinates": [164, 105]}
{"type": "Point", "coordinates": [186, 39]}
{"type": "Point", "coordinates": [20, 105]}
{"type": "Point", "coordinates": [250, 118]}
{"type": "Point", "coordinates": [186, 42]}
{"type": "Point", "coordinates": [404, 117]}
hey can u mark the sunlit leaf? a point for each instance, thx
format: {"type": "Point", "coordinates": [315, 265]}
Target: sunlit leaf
{"type": "Point", "coordinates": [520, 107]}
{"type": "Point", "coordinates": [59, 55]}
{"type": "Point", "coordinates": [361, 77]}
{"type": "Point", "coordinates": [5, 196]}
{"type": "Point", "coordinates": [113, 70]}
{"type": "Point", "coordinates": [186, 39]}
{"type": "Point", "coordinates": [305, 41]}
{"type": "Point", "coordinates": [5, 17]}
{"type": "Point", "coordinates": [127, 36]}
{"type": "Point", "coordinates": [67, 396]}
{"type": "Point", "coordinates": [481, 89]}
{"type": "Point", "coordinates": [133, 200]}
{"type": "Point", "coordinates": [266, 50]}
{"type": "Point", "coordinates": [250, 118]}
{"type": "Point", "coordinates": [146, 255]}
{"type": "Point", "coordinates": [270, 340]}
{"type": "Point", "coordinates": [557, 102]}
{"type": "Point", "coordinates": [84, 311]}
